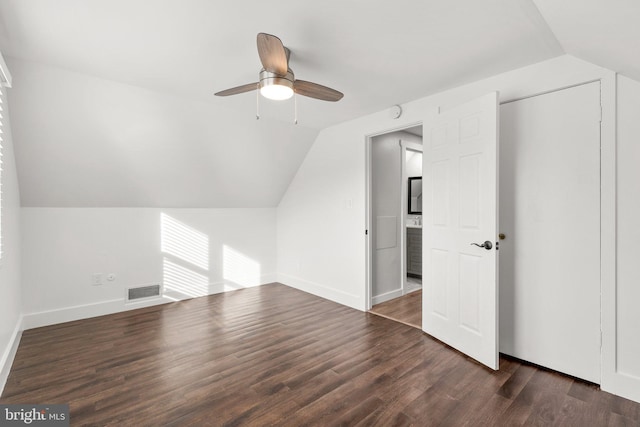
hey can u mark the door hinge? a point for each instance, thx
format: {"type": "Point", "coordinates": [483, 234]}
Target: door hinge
{"type": "Point", "coordinates": [366, 232]}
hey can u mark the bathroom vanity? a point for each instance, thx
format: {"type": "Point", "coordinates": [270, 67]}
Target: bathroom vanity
{"type": "Point", "coordinates": [414, 250]}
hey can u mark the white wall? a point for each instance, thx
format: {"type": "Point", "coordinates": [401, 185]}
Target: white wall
{"type": "Point", "coordinates": [386, 226]}
{"type": "Point", "coordinates": [413, 168]}
{"type": "Point", "coordinates": [135, 147]}
{"type": "Point", "coordinates": [10, 296]}
{"type": "Point", "coordinates": [625, 355]}
{"type": "Point", "coordinates": [321, 221]}
{"type": "Point", "coordinates": [193, 251]}
{"type": "Point", "coordinates": [414, 162]}
{"type": "Point", "coordinates": [322, 218]}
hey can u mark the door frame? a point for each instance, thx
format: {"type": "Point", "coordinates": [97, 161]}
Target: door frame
{"type": "Point", "coordinates": [369, 210]}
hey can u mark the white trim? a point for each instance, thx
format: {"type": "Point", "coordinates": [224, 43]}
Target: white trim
{"type": "Point", "coordinates": [404, 190]}
{"type": "Point", "coordinates": [612, 380]}
{"type": "Point", "coordinates": [102, 308]}
{"type": "Point", "coordinates": [368, 277]}
{"type": "Point", "coordinates": [608, 230]}
{"type": "Point", "coordinates": [3, 125]}
{"type": "Point", "coordinates": [213, 288]}
{"type": "Point", "coordinates": [545, 92]}
{"type": "Point", "coordinates": [387, 296]}
{"type": "Point", "coordinates": [10, 353]}
{"type": "Point", "coordinates": [398, 128]}
{"type": "Point", "coordinates": [5, 75]}
{"type": "Point", "coordinates": [322, 291]}
{"type": "Point", "coordinates": [69, 314]}
{"type": "Point", "coordinates": [413, 146]}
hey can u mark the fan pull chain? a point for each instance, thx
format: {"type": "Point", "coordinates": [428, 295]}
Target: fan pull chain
{"type": "Point", "coordinates": [295, 108]}
{"type": "Point", "coordinates": [258, 101]}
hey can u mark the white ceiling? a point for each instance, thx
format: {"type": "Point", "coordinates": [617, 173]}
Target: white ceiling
{"type": "Point", "coordinates": [377, 53]}
{"type": "Point", "coordinates": [604, 32]}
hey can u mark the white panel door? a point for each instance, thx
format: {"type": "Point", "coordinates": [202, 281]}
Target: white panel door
{"type": "Point", "coordinates": [550, 214]}
{"type": "Point", "coordinates": [460, 209]}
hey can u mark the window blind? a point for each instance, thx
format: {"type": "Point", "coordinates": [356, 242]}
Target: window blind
{"type": "Point", "coordinates": [5, 82]}
{"type": "Point", "coordinates": [2, 116]}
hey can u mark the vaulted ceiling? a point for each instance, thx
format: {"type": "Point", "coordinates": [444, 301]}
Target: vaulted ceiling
{"type": "Point", "coordinates": [604, 32]}
{"type": "Point", "coordinates": [113, 103]}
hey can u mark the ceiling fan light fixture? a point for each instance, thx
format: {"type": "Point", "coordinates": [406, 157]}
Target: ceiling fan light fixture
{"type": "Point", "coordinates": [276, 92]}
{"type": "Point", "coordinates": [276, 78]}
{"type": "Point", "coordinates": [273, 86]}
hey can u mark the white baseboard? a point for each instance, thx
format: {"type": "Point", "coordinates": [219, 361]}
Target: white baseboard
{"type": "Point", "coordinates": [621, 384]}
{"type": "Point", "coordinates": [322, 291]}
{"type": "Point", "coordinates": [386, 296]}
{"type": "Point", "coordinates": [77, 312]}
{"type": "Point", "coordinates": [10, 354]}
{"type": "Point", "coordinates": [220, 287]}
{"type": "Point", "coordinates": [86, 311]}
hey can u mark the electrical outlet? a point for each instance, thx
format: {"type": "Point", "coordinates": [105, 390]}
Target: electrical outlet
{"type": "Point", "coordinates": [111, 277]}
{"type": "Point", "coordinates": [96, 279]}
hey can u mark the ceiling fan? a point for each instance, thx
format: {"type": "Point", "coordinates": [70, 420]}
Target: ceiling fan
{"type": "Point", "coordinates": [277, 80]}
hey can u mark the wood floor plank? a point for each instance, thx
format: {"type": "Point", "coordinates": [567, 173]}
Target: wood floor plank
{"type": "Point", "coordinates": [273, 355]}
{"type": "Point", "coordinates": [514, 385]}
{"type": "Point", "coordinates": [406, 309]}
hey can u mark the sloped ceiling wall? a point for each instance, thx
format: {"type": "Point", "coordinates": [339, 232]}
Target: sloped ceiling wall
{"type": "Point", "coordinates": [112, 102]}
{"type": "Point", "coordinates": [85, 141]}
{"type": "Point", "coordinates": [606, 33]}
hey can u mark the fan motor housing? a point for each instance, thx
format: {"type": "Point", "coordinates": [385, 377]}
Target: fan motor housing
{"type": "Point", "coordinates": [268, 78]}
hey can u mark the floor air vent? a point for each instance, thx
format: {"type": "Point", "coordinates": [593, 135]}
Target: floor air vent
{"type": "Point", "coordinates": [143, 292]}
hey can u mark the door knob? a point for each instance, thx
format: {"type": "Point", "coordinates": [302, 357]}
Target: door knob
{"type": "Point", "coordinates": [487, 245]}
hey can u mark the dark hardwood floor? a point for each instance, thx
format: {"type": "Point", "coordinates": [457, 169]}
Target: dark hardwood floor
{"type": "Point", "coordinates": [273, 355]}
{"type": "Point", "coordinates": [406, 309]}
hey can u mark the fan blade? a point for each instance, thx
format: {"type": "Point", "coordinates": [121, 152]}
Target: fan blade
{"type": "Point", "coordinates": [240, 89]}
{"type": "Point", "coordinates": [272, 54]}
{"type": "Point", "coordinates": [314, 90]}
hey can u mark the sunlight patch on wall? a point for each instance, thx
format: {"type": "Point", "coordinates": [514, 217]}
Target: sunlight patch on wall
{"type": "Point", "coordinates": [184, 242]}
{"type": "Point", "coordinates": [239, 269]}
{"type": "Point", "coordinates": [185, 262]}
{"type": "Point", "coordinates": [183, 280]}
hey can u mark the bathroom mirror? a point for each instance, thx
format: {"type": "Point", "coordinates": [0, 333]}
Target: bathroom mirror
{"type": "Point", "coordinates": [415, 195]}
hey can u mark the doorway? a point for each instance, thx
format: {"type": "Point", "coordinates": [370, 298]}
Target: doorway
{"type": "Point", "coordinates": [395, 173]}
{"type": "Point", "coordinates": [549, 208]}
